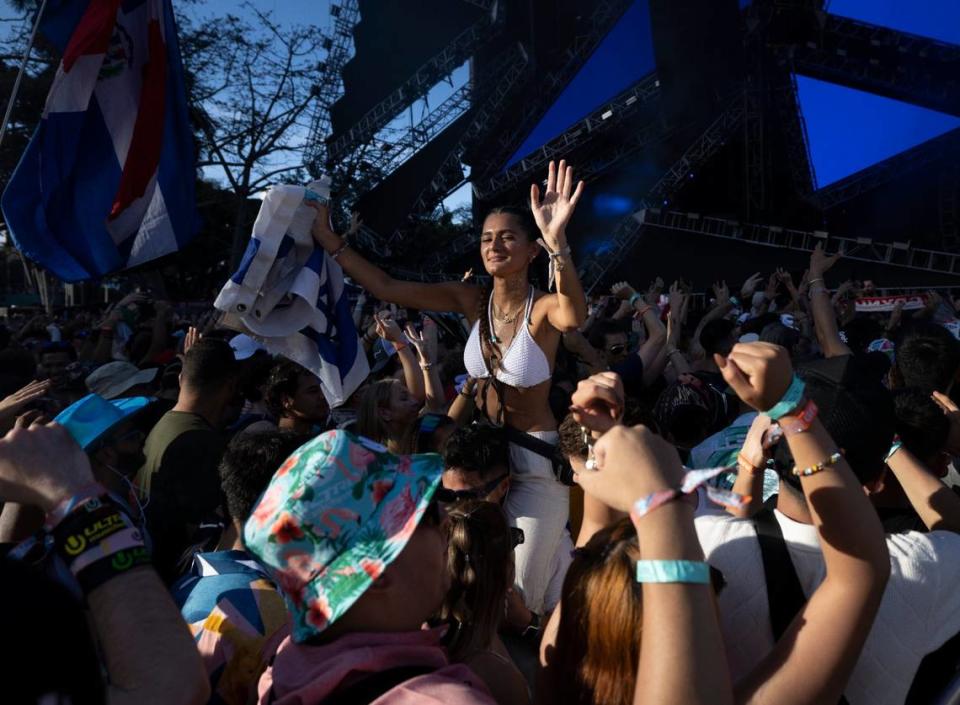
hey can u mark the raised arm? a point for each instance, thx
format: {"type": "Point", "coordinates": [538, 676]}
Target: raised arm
{"type": "Point", "coordinates": [389, 330]}
{"type": "Point", "coordinates": [821, 306]}
{"type": "Point", "coordinates": [813, 660]}
{"type": "Point", "coordinates": [147, 649]}
{"type": "Point", "coordinates": [681, 656]}
{"type": "Point", "coordinates": [447, 296]}
{"type": "Point", "coordinates": [656, 331]}
{"type": "Point", "coordinates": [721, 308]}
{"type": "Point", "coordinates": [552, 213]}
{"type": "Point", "coordinates": [425, 343]}
{"type": "Point", "coordinates": [751, 462]}
{"type": "Point", "coordinates": [937, 505]}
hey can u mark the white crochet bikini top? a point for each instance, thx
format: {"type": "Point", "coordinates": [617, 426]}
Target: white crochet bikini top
{"type": "Point", "coordinates": [524, 363]}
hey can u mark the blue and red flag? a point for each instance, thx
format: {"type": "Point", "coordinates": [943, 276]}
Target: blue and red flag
{"type": "Point", "coordinates": [107, 181]}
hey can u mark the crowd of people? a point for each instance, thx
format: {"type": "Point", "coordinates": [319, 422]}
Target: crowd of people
{"type": "Point", "coordinates": [537, 496]}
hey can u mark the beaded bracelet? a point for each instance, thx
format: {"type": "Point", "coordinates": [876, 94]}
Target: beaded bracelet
{"type": "Point", "coordinates": [819, 467]}
{"type": "Point", "coordinates": [790, 401]}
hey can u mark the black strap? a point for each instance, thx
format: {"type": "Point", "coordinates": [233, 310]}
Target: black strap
{"type": "Point", "coordinates": [785, 596]}
{"type": "Point", "coordinates": [784, 593]}
{"type": "Point", "coordinates": [561, 466]}
{"type": "Point", "coordinates": [531, 443]}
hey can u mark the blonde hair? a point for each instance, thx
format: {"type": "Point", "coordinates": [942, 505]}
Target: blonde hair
{"type": "Point", "coordinates": [370, 423]}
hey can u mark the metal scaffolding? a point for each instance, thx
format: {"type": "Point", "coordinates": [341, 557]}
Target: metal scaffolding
{"type": "Point", "coordinates": [604, 15]}
{"type": "Point", "coordinates": [338, 43]}
{"type": "Point", "coordinates": [504, 75]}
{"type": "Point", "coordinates": [863, 249]}
{"type": "Point", "coordinates": [613, 113]}
{"type": "Point", "coordinates": [903, 66]}
{"type": "Point", "coordinates": [427, 76]}
{"type": "Point", "coordinates": [795, 132]}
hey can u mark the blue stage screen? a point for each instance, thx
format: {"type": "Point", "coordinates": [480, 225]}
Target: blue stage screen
{"type": "Point", "coordinates": [624, 57]}
{"type": "Point", "coordinates": [939, 19]}
{"type": "Point", "coordinates": [849, 130]}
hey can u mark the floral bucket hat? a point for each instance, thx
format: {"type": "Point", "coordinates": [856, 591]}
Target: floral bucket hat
{"type": "Point", "coordinates": [333, 517]}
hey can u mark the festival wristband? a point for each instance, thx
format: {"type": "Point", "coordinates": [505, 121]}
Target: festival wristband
{"type": "Point", "coordinates": [99, 541]}
{"type": "Point", "coordinates": [111, 566]}
{"type": "Point", "coordinates": [90, 524]}
{"type": "Point", "coordinates": [636, 296]}
{"type": "Point", "coordinates": [89, 492]}
{"type": "Point", "coordinates": [801, 421]}
{"type": "Point", "coordinates": [693, 572]}
{"type": "Point", "coordinates": [790, 401]}
{"type": "Point", "coordinates": [897, 445]}
{"type": "Point", "coordinates": [692, 480]}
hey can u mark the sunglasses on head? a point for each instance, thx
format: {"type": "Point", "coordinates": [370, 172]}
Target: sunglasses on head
{"type": "Point", "coordinates": [448, 496]}
{"type": "Point", "coordinates": [617, 349]}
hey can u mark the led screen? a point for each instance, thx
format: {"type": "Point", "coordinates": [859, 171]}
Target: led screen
{"type": "Point", "coordinates": [849, 130]}
{"type": "Point", "coordinates": [624, 56]}
{"type": "Point", "coordinates": [939, 19]}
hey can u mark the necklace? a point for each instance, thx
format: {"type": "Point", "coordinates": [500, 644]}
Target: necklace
{"type": "Point", "coordinates": [496, 339]}
{"type": "Point", "coordinates": [506, 318]}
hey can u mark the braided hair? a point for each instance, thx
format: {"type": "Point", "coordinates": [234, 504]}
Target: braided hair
{"type": "Point", "coordinates": [479, 561]}
{"type": "Point", "coordinates": [490, 350]}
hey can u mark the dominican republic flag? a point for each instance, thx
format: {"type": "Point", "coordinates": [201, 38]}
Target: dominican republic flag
{"type": "Point", "coordinates": [107, 181]}
{"type": "Point", "coordinates": [289, 294]}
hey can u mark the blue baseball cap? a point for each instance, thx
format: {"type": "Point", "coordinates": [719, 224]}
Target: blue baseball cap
{"type": "Point", "coordinates": [93, 417]}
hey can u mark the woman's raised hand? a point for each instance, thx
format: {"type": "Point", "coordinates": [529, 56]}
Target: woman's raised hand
{"type": "Point", "coordinates": [425, 340]}
{"type": "Point", "coordinates": [388, 328]}
{"type": "Point", "coordinates": [553, 212]}
{"type": "Point", "coordinates": [322, 233]}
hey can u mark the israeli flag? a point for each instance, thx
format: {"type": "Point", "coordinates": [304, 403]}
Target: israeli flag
{"type": "Point", "coordinates": [107, 181]}
{"type": "Point", "coordinates": [289, 295]}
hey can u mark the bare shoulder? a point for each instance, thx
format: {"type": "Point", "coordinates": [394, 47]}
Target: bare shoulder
{"type": "Point", "coordinates": [502, 677]}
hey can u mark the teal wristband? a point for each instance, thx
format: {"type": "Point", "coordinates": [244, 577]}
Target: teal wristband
{"type": "Point", "coordinates": [897, 445]}
{"type": "Point", "coordinates": [696, 572]}
{"type": "Point", "coordinates": [634, 298]}
{"type": "Point", "coordinates": [790, 401]}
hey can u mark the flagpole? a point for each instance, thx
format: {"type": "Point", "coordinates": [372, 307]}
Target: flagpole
{"type": "Point", "coordinates": [23, 67]}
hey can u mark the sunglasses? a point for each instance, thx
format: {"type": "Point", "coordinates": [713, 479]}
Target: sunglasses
{"type": "Point", "coordinates": [448, 496]}
{"type": "Point", "coordinates": [617, 349]}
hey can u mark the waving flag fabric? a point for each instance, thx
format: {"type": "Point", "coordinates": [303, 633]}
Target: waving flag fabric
{"type": "Point", "coordinates": [107, 181]}
{"type": "Point", "coordinates": [289, 294]}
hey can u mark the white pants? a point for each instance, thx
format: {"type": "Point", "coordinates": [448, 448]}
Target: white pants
{"type": "Point", "coordinates": [540, 505]}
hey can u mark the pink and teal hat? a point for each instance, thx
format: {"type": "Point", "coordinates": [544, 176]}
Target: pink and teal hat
{"type": "Point", "coordinates": [334, 516]}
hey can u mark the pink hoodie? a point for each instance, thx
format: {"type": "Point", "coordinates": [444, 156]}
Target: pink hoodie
{"type": "Point", "coordinates": [303, 674]}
